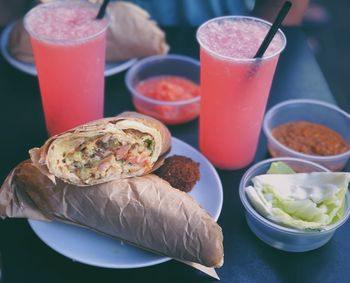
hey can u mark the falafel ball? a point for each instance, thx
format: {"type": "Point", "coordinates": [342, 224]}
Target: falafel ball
{"type": "Point", "coordinates": [181, 172]}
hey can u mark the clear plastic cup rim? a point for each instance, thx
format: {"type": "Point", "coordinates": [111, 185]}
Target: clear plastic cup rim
{"type": "Point", "coordinates": [317, 158]}
{"type": "Point", "coordinates": [252, 212]}
{"type": "Point", "coordinates": [235, 59]}
{"type": "Point", "coordinates": [158, 58]}
{"type": "Point", "coordinates": [64, 41]}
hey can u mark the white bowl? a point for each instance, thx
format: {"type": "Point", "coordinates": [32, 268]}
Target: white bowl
{"type": "Point", "coordinates": [275, 235]}
{"type": "Point", "coordinates": [311, 111]}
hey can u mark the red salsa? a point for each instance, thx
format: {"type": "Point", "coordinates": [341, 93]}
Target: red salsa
{"type": "Point", "coordinates": [170, 89]}
{"type": "Point", "coordinates": [310, 138]}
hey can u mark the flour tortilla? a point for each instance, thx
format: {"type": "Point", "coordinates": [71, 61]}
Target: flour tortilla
{"type": "Point", "coordinates": [50, 157]}
{"type": "Point", "coordinates": [132, 34]}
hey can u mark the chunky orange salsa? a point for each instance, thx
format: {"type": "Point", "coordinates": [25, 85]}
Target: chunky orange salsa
{"type": "Point", "coordinates": [310, 138]}
{"type": "Point", "coordinates": [169, 89]}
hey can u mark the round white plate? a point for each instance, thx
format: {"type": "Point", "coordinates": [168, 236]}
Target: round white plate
{"type": "Point", "coordinates": [111, 68]}
{"type": "Point", "coordinates": [86, 246]}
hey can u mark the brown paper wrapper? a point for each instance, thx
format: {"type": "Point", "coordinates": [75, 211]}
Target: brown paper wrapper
{"type": "Point", "coordinates": [144, 211]}
{"type": "Point", "coordinates": [49, 158]}
{"type": "Point", "coordinates": [132, 33]}
{"type": "Point", "coordinates": [19, 45]}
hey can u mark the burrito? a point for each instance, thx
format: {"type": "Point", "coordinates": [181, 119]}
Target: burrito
{"type": "Point", "coordinates": [144, 211]}
{"type": "Point", "coordinates": [131, 33]}
{"type": "Point", "coordinates": [128, 145]}
{"type": "Point", "coordinates": [19, 43]}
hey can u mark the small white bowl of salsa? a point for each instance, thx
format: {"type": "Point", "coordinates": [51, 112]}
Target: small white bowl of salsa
{"type": "Point", "coordinates": [309, 129]}
{"type": "Point", "coordinates": [166, 87]}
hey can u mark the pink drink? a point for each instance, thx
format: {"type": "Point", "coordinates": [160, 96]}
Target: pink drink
{"type": "Point", "coordinates": [234, 87]}
{"type": "Point", "coordinates": [69, 49]}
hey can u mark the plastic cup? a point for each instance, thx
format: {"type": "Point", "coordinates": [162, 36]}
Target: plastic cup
{"type": "Point", "coordinates": [234, 90]}
{"type": "Point", "coordinates": [313, 111]}
{"type": "Point", "coordinates": [70, 61]}
{"type": "Point", "coordinates": [278, 236]}
{"type": "Point", "coordinates": [169, 112]}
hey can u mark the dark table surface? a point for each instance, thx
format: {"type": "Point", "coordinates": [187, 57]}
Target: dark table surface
{"type": "Point", "coordinates": [25, 258]}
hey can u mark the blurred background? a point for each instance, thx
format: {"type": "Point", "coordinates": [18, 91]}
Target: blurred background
{"type": "Point", "coordinates": [327, 26]}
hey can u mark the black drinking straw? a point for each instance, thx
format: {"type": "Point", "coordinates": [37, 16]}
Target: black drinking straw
{"type": "Point", "coordinates": [102, 11]}
{"type": "Point", "coordinates": [274, 28]}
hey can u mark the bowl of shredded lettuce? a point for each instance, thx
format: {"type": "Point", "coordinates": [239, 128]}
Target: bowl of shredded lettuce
{"type": "Point", "coordinates": [293, 204]}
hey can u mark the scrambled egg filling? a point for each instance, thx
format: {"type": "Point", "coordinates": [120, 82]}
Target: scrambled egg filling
{"type": "Point", "coordinates": [127, 151]}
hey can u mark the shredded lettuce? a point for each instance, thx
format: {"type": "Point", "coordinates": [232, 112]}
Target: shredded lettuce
{"type": "Point", "coordinates": [280, 168]}
{"type": "Point", "coordinates": [306, 201]}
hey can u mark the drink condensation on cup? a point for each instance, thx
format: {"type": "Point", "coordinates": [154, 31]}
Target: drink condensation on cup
{"type": "Point", "coordinates": [233, 98]}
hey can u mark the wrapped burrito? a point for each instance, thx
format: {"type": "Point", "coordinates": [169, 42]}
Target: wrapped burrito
{"type": "Point", "coordinates": [19, 43]}
{"type": "Point", "coordinates": [145, 211]}
{"type": "Point", "coordinates": [132, 33]}
{"type": "Point", "coordinates": [124, 146]}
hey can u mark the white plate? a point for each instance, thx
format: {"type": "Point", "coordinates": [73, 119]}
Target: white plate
{"type": "Point", "coordinates": [111, 68]}
{"type": "Point", "coordinates": [86, 246]}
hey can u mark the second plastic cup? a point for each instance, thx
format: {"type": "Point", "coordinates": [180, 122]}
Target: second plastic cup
{"type": "Point", "coordinates": [69, 50]}
{"type": "Point", "coordinates": [234, 87]}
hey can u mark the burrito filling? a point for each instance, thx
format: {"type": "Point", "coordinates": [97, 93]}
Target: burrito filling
{"type": "Point", "coordinates": [123, 152]}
